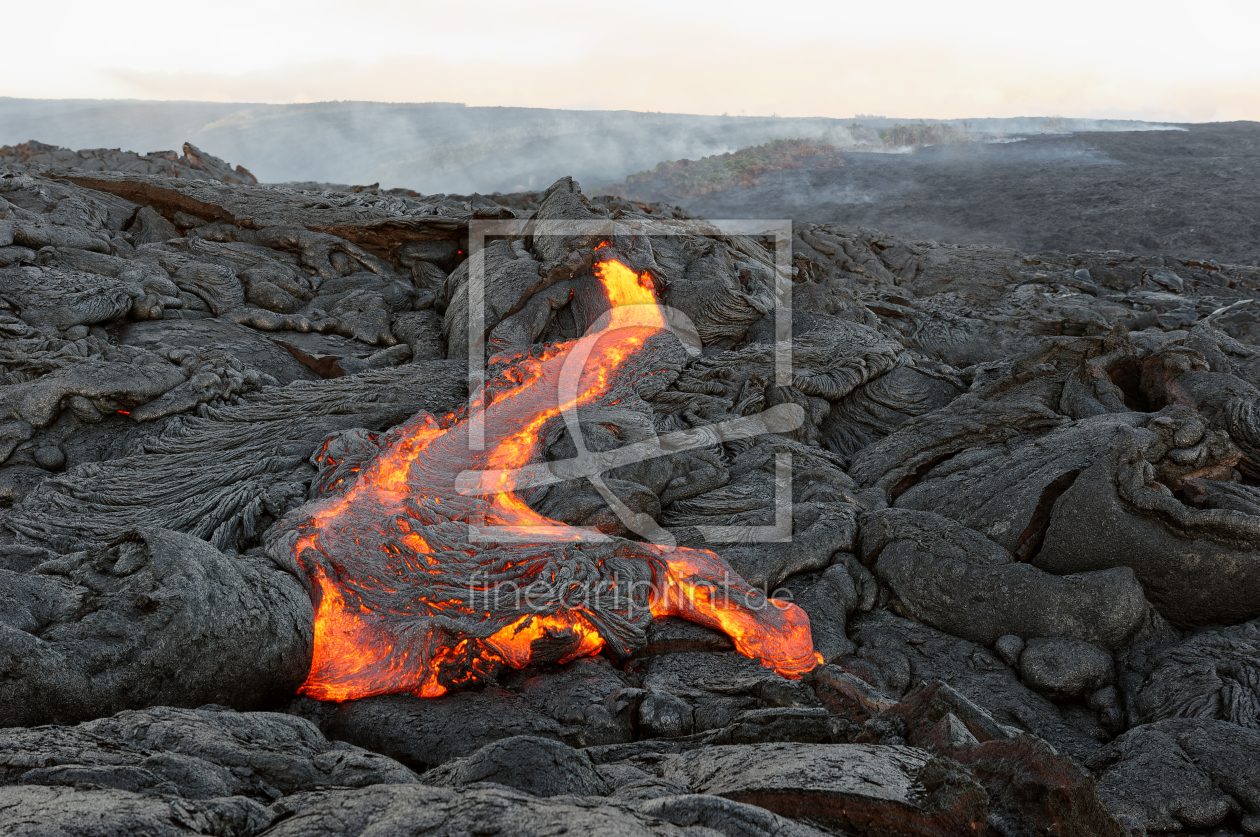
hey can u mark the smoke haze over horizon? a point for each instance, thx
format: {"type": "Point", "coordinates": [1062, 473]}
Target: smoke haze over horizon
{"type": "Point", "coordinates": [449, 148]}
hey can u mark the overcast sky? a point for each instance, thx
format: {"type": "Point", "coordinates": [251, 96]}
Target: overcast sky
{"type": "Point", "coordinates": [1184, 61]}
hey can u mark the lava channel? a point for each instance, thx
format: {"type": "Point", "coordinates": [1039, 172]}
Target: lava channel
{"type": "Point", "coordinates": [407, 599]}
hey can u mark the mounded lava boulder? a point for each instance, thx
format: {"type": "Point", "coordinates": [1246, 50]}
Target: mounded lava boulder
{"type": "Point", "coordinates": [424, 733]}
{"type": "Point", "coordinates": [155, 618]}
{"type": "Point", "coordinates": [415, 810]}
{"type": "Point", "coordinates": [1198, 566]}
{"type": "Point", "coordinates": [895, 654]}
{"type": "Point", "coordinates": [855, 787]}
{"type": "Point", "coordinates": [535, 765]}
{"type": "Point", "coordinates": [34, 811]}
{"type": "Point", "coordinates": [1183, 774]}
{"type": "Point", "coordinates": [202, 753]}
{"type": "Point", "coordinates": [1065, 667]}
{"type": "Point", "coordinates": [1215, 673]}
{"type": "Point", "coordinates": [959, 581]}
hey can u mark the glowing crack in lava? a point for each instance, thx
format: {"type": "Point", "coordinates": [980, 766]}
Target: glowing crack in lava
{"type": "Point", "coordinates": [406, 601]}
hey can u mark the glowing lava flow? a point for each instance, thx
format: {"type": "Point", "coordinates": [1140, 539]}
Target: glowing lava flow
{"type": "Point", "coordinates": [405, 601]}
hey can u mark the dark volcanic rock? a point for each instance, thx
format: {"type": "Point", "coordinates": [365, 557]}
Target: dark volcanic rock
{"type": "Point", "coordinates": [224, 474]}
{"type": "Point", "coordinates": [662, 715]}
{"type": "Point", "coordinates": [381, 223]}
{"type": "Point", "coordinates": [1065, 667]}
{"type": "Point", "coordinates": [898, 653]}
{"type": "Point", "coordinates": [1213, 674]}
{"type": "Point", "coordinates": [837, 593]}
{"type": "Point", "coordinates": [1198, 566]}
{"type": "Point", "coordinates": [443, 812]}
{"type": "Point", "coordinates": [194, 164]}
{"type": "Point", "coordinates": [245, 344]}
{"type": "Point", "coordinates": [148, 227]}
{"type": "Point", "coordinates": [717, 688]}
{"type": "Point", "coordinates": [725, 816]}
{"type": "Point", "coordinates": [423, 733]}
{"type": "Point", "coordinates": [191, 753]}
{"type": "Point", "coordinates": [1024, 522]}
{"type": "Point", "coordinates": [585, 698]}
{"type": "Point", "coordinates": [812, 725]}
{"type": "Point", "coordinates": [955, 579]}
{"type": "Point", "coordinates": [1032, 790]}
{"type": "Point", "coordinates": [1174, 775]}
{"type": "Point", "coordinates": [64, 299]}
{"type": "Point", "coordinates": [864, 788]}
{"type": "Point", "coordinates": [671, 634]}
{"type": "Point", "coordinates": [88, 634]}
{"type": "Point", "coordinates": [537, 766]}
{"type": "Point", "coordinates": [51, 812]}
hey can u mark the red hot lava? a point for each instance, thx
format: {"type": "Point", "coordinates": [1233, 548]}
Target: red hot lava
{"type": "Point", "coordinates": [406, 601]}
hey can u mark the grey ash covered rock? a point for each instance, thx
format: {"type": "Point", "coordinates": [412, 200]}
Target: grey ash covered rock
{"type": "Point", "coordinates": [424, 733]}
{"type": "Point", "coordinates": [858, 787]}
{"type": "Point", "coordinates": [895, 654]}
{"type": "Point", "coordinates": [955, 579]}
{"type": "Point", "coordinates": [170, 771]}
{"type": "Point", "coordinates": [156, 617]}
{"type": "Point", "coordinates": [1184, 774]}
{"type": "Point", "coordinates": [37, 811]}
{"type": "Point", "coordinates": [537, 766]}
{"type": "Point", "coordinates": [1024, 521]}
{"type": "Point", "coordinates": [488, 809]}
{"type": "Point", "coordinates": [201, 753]}
{"type": "Point", "coordinates": [1213, 674]}
{"type": "Point", "coordinates": [1065, 667]}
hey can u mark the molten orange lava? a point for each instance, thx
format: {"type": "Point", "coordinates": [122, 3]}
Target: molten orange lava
{"type": "Point", "coordinates": [398, 535]}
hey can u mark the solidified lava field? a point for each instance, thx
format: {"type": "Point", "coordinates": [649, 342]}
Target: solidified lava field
{"type": "Point", "coordinates": [269, 567]}
{"type": "Point", "coordinates": [1192, 193]}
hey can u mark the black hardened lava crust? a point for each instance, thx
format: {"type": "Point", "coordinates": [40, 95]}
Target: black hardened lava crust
{"type": "Point", "coordinates": [1025, 523]}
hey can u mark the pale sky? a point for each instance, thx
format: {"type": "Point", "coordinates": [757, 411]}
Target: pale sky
{"type": "Point", "coordinates": [1153, 60]}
